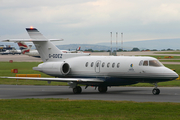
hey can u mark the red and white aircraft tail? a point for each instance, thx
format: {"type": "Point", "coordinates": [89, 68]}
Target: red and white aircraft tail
{"type": "Point", "coordinates": [23, 47]}
{"type": "Point", "coordinates": [78, 49]}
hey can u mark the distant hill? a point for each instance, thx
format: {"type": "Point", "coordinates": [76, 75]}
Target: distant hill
{"type": "Point", "coordinates": [158, 44]}
{"type": "Point", "coordinates": [83, 47]}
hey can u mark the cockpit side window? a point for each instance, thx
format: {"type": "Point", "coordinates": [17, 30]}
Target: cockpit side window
{"type": "Point", "coordinates": [145, 63]}
{"type": "Point", "coordinates": [154, 63]}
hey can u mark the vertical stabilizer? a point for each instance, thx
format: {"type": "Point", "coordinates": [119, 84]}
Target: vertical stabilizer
{"type": "Point", "coordinates": [47, 50]}
{"type": "Point", "coordinates": [23, 47]}
{"type": "Point", "coordinates": [35, 34]}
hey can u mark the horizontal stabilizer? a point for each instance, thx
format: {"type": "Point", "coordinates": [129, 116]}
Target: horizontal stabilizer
{"type": "Point", "coordinates": [58, 79]}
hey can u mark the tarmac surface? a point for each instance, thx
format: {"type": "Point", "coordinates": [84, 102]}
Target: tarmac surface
{"type": "Point", "coordinates": [19, 58]}
{"type": "Point", "coordinates": [138, 94]}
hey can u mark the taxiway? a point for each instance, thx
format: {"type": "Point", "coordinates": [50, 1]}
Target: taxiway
{"type": "Point", "coordinates": [138, 94]}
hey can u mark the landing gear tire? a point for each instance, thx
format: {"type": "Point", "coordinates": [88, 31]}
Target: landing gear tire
{"type": "Point", "coordinates": [102, 89]}
{"type": "Point", "coordinates": [77, 90]}
{"type": "Point", "coordinates": [156, 91]}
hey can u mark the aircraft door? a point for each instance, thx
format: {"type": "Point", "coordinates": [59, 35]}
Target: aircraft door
{"type": "Point", "coordinates": [97, 66]}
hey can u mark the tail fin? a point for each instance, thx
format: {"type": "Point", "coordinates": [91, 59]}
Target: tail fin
{"type": "Point", "coordinates": [23, 47]}
{"type": "Point", "coordinates": [46, 49]}
{"type": "Point", "coordinates": [78, 49]}
{"type": "Point", "coordinates": [35, 34]}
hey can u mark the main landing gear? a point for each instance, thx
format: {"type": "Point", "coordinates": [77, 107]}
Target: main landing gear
{"type": "Point", "coordinates": [102, 89]}
{"type": "Point", "coordinates": [155, 91]}
{"type": "Point", "coordinates": [77, 90]}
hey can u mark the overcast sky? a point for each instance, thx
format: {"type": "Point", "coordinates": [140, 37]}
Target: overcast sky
{"type": "Point", "coordinates": [91, 21]}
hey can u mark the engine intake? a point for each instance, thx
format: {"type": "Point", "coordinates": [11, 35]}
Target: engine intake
{"type": "Point", "coordinates": [65, 69]}
{"type": "Point", "coordinates": [54, 68]}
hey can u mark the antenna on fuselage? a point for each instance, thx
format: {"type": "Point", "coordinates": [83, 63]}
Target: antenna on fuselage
{"type": "Point", "coordinates": [122, 41]}
{"type": "Point", "coordinates": [111, 43]}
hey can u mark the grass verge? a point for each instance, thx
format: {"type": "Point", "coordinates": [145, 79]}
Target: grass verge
{"type": "Point", "coordinates": [173, 52]}
{"type": "Point", "coordinates": [23, 68]}
{"type": "Point", "coordinates": [169, 60]}
{"type": "Point", "coordinates": [162, 57]}
{"type": "Point", "coordinates": [50, 109]}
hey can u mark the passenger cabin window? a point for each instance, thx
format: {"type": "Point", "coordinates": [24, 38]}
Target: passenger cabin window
{"type": "Point", "coordinates": [141, 63]}
{"type": "Point", "coordinates": [154, 63]}
{"type": "Point", "coordinates": [118, 65]}
{"type": "Point", "coordinates": [145, 63]}
{"type": "Point", "coordinates": [113, 65]}
{"type": "Point", "coordinates": [103, 64]}
{"type": "Point", "coordinates": [86, 64]}
{"type": "Point", "coordinates": [92, 64]}
{"type": "Point", "coordinates": [108, 64]}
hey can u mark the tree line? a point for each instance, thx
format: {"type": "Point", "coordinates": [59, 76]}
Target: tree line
{"type": "Point", "coordinates": [134, 49]}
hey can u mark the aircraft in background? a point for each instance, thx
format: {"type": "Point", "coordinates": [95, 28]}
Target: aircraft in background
{"type": "Point", "coordinates": [99, 71]}
{"type": "Point", "coordinates": [73, 51]}
{"type": "Point", "coordinates": [25, 49]}
{"type": "Point", "coordinates": [6, 50]}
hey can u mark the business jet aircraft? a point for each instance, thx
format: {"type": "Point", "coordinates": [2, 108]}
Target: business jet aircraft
{"type": "Point", "coordinates": [25, 49]}
{"type": "Point", "coordinates": [98, 71]}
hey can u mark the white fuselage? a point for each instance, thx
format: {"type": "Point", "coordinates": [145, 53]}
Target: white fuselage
{"type": "Point", "coordinates": [33, 53]}
{"type": "Point", "coordinates": [113, 69]}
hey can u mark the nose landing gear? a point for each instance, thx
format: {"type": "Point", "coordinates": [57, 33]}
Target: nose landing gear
{"type": "Point", "coordinates": [155, 91]}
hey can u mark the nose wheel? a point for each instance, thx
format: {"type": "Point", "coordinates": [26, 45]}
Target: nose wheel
{"type": "Point", "coordinates": [155, 91]}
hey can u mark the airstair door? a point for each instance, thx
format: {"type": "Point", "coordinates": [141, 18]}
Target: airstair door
{"type": "Point", "coordinates": [97, 66]}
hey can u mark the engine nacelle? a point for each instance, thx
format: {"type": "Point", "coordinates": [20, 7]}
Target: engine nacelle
{"type": "Point", "coordinates": [54, 68]}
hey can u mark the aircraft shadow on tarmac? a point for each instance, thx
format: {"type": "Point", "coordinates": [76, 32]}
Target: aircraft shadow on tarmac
{"type": "Point", "coordinates": [55, 94]}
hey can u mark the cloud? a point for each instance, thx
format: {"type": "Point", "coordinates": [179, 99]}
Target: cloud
{"type": "Point", "coordinates": [93, 20]}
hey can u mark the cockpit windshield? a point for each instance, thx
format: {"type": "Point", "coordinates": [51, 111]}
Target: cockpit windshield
{"type": "Point", "coordinates": [154, 63]}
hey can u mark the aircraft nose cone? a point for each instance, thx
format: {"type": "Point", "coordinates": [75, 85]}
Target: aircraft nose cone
{"type": "Point", "coordinates": [171, 73]}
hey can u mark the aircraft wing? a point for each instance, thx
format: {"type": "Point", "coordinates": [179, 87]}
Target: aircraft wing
{"type": "Point", "coordinates": [29, 40]}
{"type": "Point", "coordinates": [58, 79]}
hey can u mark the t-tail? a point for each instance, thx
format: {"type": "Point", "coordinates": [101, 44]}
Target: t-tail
{"type": "Point", "coordinates": [47, 50]}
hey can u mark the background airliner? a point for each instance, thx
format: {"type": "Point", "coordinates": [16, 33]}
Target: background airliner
{"type": "Point", "coordinates": [99, 71]}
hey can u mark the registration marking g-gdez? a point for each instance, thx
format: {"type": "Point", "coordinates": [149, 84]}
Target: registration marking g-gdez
{"type": "Point", "coordinates": [55, 55]}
